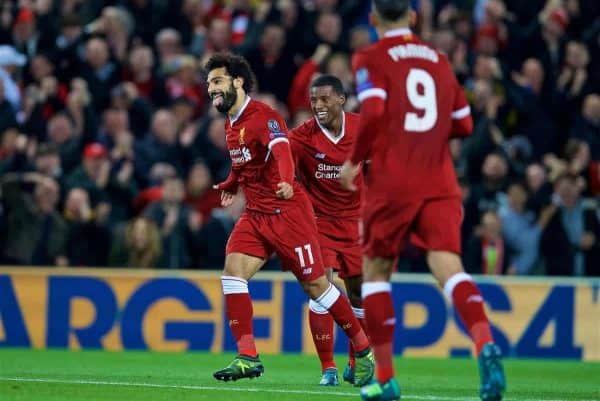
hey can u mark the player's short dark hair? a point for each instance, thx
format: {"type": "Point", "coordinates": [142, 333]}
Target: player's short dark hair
{"type": "Point", "coordinates": [329, 80]}
{"type": "Point", "coordinates": [236, 66]}
{"type": "Point", "coordinates": [391, 10]}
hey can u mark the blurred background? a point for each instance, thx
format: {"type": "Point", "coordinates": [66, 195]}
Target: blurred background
{"type": "Point", "coordinates": [109, 148]}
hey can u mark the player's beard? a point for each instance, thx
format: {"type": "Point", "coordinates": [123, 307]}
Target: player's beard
{"type": "Point", "coordinates": [227, 100]}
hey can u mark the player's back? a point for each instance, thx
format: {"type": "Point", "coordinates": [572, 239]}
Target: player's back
{"type": "Point", "coordinates": [411, 157]}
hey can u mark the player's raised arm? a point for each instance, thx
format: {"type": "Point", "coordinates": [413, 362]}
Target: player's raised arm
{"type": "Point", "coordinates": [371, 89]}
{"type": "Point", "coordinates": [372, 93]}
{"type": "Point", "coordinates": [462, 121]}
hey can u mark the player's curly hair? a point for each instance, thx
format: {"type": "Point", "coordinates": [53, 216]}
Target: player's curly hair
{"type": "Point", "coordinates": [236, 66]}
{"type": "Point", "coordinates": [329, 80]}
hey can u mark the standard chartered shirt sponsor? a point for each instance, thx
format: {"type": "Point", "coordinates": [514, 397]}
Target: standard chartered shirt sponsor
{"type": "Point", "coordinates": [328, 171]}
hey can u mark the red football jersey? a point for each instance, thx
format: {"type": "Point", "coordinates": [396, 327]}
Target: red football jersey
{"type": "Point", "coordinates": [410, 157]}
{"type": "Point", "coordinates": [250, 136]}
{"type": "Point", "coordinates": [319, 156]}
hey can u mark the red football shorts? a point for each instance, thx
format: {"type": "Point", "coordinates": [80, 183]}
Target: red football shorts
{"type": "Point", "coordinates": [432, 224]}
{"type": "Point", "coordinates": [291, 234]}
{"type": "Point", "coordinates": [340, 245]}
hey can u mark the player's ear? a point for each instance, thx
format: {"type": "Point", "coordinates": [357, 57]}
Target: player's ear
{"type": "Point", "coordinates": [342, 99]}
{"type": "Point", "coordinates": [373, 19]}
{"type": "Point", "coordinates": [412, 18]}
{"type": "Point", "coordinates": [238, 82]}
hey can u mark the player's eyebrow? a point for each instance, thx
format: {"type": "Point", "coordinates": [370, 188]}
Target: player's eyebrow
{"type": "Point", "coordinates": [217, 77]}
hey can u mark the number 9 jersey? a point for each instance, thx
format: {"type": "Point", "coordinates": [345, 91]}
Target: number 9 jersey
{"type": "Point", "coordinates": [424, 107]}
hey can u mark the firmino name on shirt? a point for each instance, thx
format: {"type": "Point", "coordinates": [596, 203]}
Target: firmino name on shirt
{"type": "Point", "coordinates": [328, 171]}
{"type": "Point", "coordinates": [412, 51]}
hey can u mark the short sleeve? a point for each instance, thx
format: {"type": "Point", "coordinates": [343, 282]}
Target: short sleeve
{"type": "Point", "coordinates": [370, 81]}
{"type": "Point", "coordinates": [274, 130]}
{"type": "Point", "coordinates": [460, 106]}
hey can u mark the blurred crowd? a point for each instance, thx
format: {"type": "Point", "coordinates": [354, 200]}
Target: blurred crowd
{"type": "Point", "coordinates": [109, 148]}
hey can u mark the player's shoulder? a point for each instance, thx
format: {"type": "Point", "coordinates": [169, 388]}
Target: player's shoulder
{"type": "Point", "coordinates": [351, 117]}
{"type": "Point", "coordinates": [264, 110]}
{"type": "Point", "coordinates": [351, 124]}
{"type": "Point", "coordinates": [303, 131]}
{"type": "Point", "coordinates": [442, 58]}
{"type": "Point", "coordinates": [366, 53]}
{"type": "Point", "coordinates": [261, 115]}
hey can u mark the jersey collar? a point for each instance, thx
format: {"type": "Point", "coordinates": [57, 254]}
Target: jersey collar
{"type": "Point", "coordinates": [330, 135]}
{"type": "Point", "coordinates": [240, 111]}
{"type": "Point", "coordinates": [397, 32]}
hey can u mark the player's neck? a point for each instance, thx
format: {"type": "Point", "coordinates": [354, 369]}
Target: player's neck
{"type": "Point", "coordinates": [237, 106]}
{"type": "Point", "coordinates": [336, 127]}
{"type": "Point", "coordinates": [386, 27]}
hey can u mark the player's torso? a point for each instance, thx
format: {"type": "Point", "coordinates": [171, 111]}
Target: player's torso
{"type": "Point", "coordinates": [321, 156]}
{"type": "Point", "coordinates": [256, 167]}
{"type": "Point", "coordinates": [413, 150]}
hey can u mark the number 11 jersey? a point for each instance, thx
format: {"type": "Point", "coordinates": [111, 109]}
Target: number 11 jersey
{"type": "Point", "coordinates": [410, 156]}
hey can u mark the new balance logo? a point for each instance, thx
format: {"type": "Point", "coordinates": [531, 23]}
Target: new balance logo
{"type": "Point", "coordinates": [233, 322]}
{"type": "Point", "coordinates": [307, 271]}
{"type": "Point", "coordinates": [319, 155]}
{"type": "Point", "coordinates": [389, 322]}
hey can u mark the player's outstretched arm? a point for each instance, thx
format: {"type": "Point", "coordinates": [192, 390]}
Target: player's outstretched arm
{"type": "Point", "coordinates": [283, 155]}
{"type": "Point", "coordinates": [372, 109]}
{"type": "Point", "coordinates": [228, 188]}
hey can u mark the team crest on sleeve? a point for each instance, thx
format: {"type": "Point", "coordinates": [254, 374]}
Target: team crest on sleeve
{"type": "Point", "coordinates": [275, 129]}
{"type": "Point", "coordinates": [363, 80]}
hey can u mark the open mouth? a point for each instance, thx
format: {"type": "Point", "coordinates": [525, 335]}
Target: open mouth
{"type": "Point", "coordinates": [217, 98]}
{"type": "Point", "coordinates": [322, 115]}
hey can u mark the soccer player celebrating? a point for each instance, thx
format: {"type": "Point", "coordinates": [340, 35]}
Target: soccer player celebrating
{"type": "Point", "coordinates": [320, 146]}
{"type": "Point", "coordinates": [411, 104]}
{"type": "Point", "coordinates": [278, 218]}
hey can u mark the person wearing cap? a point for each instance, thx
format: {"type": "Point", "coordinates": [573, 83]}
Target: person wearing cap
{"type": "Point", "coordinates": [10, 61]}
{"type": "Point", "coordinates": [93, 173]}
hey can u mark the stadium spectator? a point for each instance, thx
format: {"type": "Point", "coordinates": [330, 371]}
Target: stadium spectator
{"type": "Point", "coordinates": [200, 194]}
{"type": "Point", "coordinates": [10, 62]}
{"type": "Point", "coordinates": [587, 127]}
{"type": "Point", "coordinates": [176, 222]}
{"type": "Point", "coordinates": [100, 73]}
{"type": "Point", "coordinates": [36, 233]}
{"type": "Point", "coordinates": [489, 193]}
{"type": "Point", "coordinates": [139, 246]}
{"type": "Point", "coordinates": [111, 190]}
{"type": "Point", "coordinates": [168, 45]}
{"type": "Point", "coordinates": [88, 238]}
{"type": "Point", "coordinates": [273, 59]}
{"type": "Point", "coordinates": [521, 231]}
{"type": "Point", "coordinates": [141, 71]}
{"type": "Point", "coordinates": [160, 145]}
{"type": "Point", "coordinates": [570, 241]}
{"type": "Point", "coordinates": [212, 238]}
{"type": "Point", "coordinates": [487, 251]}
